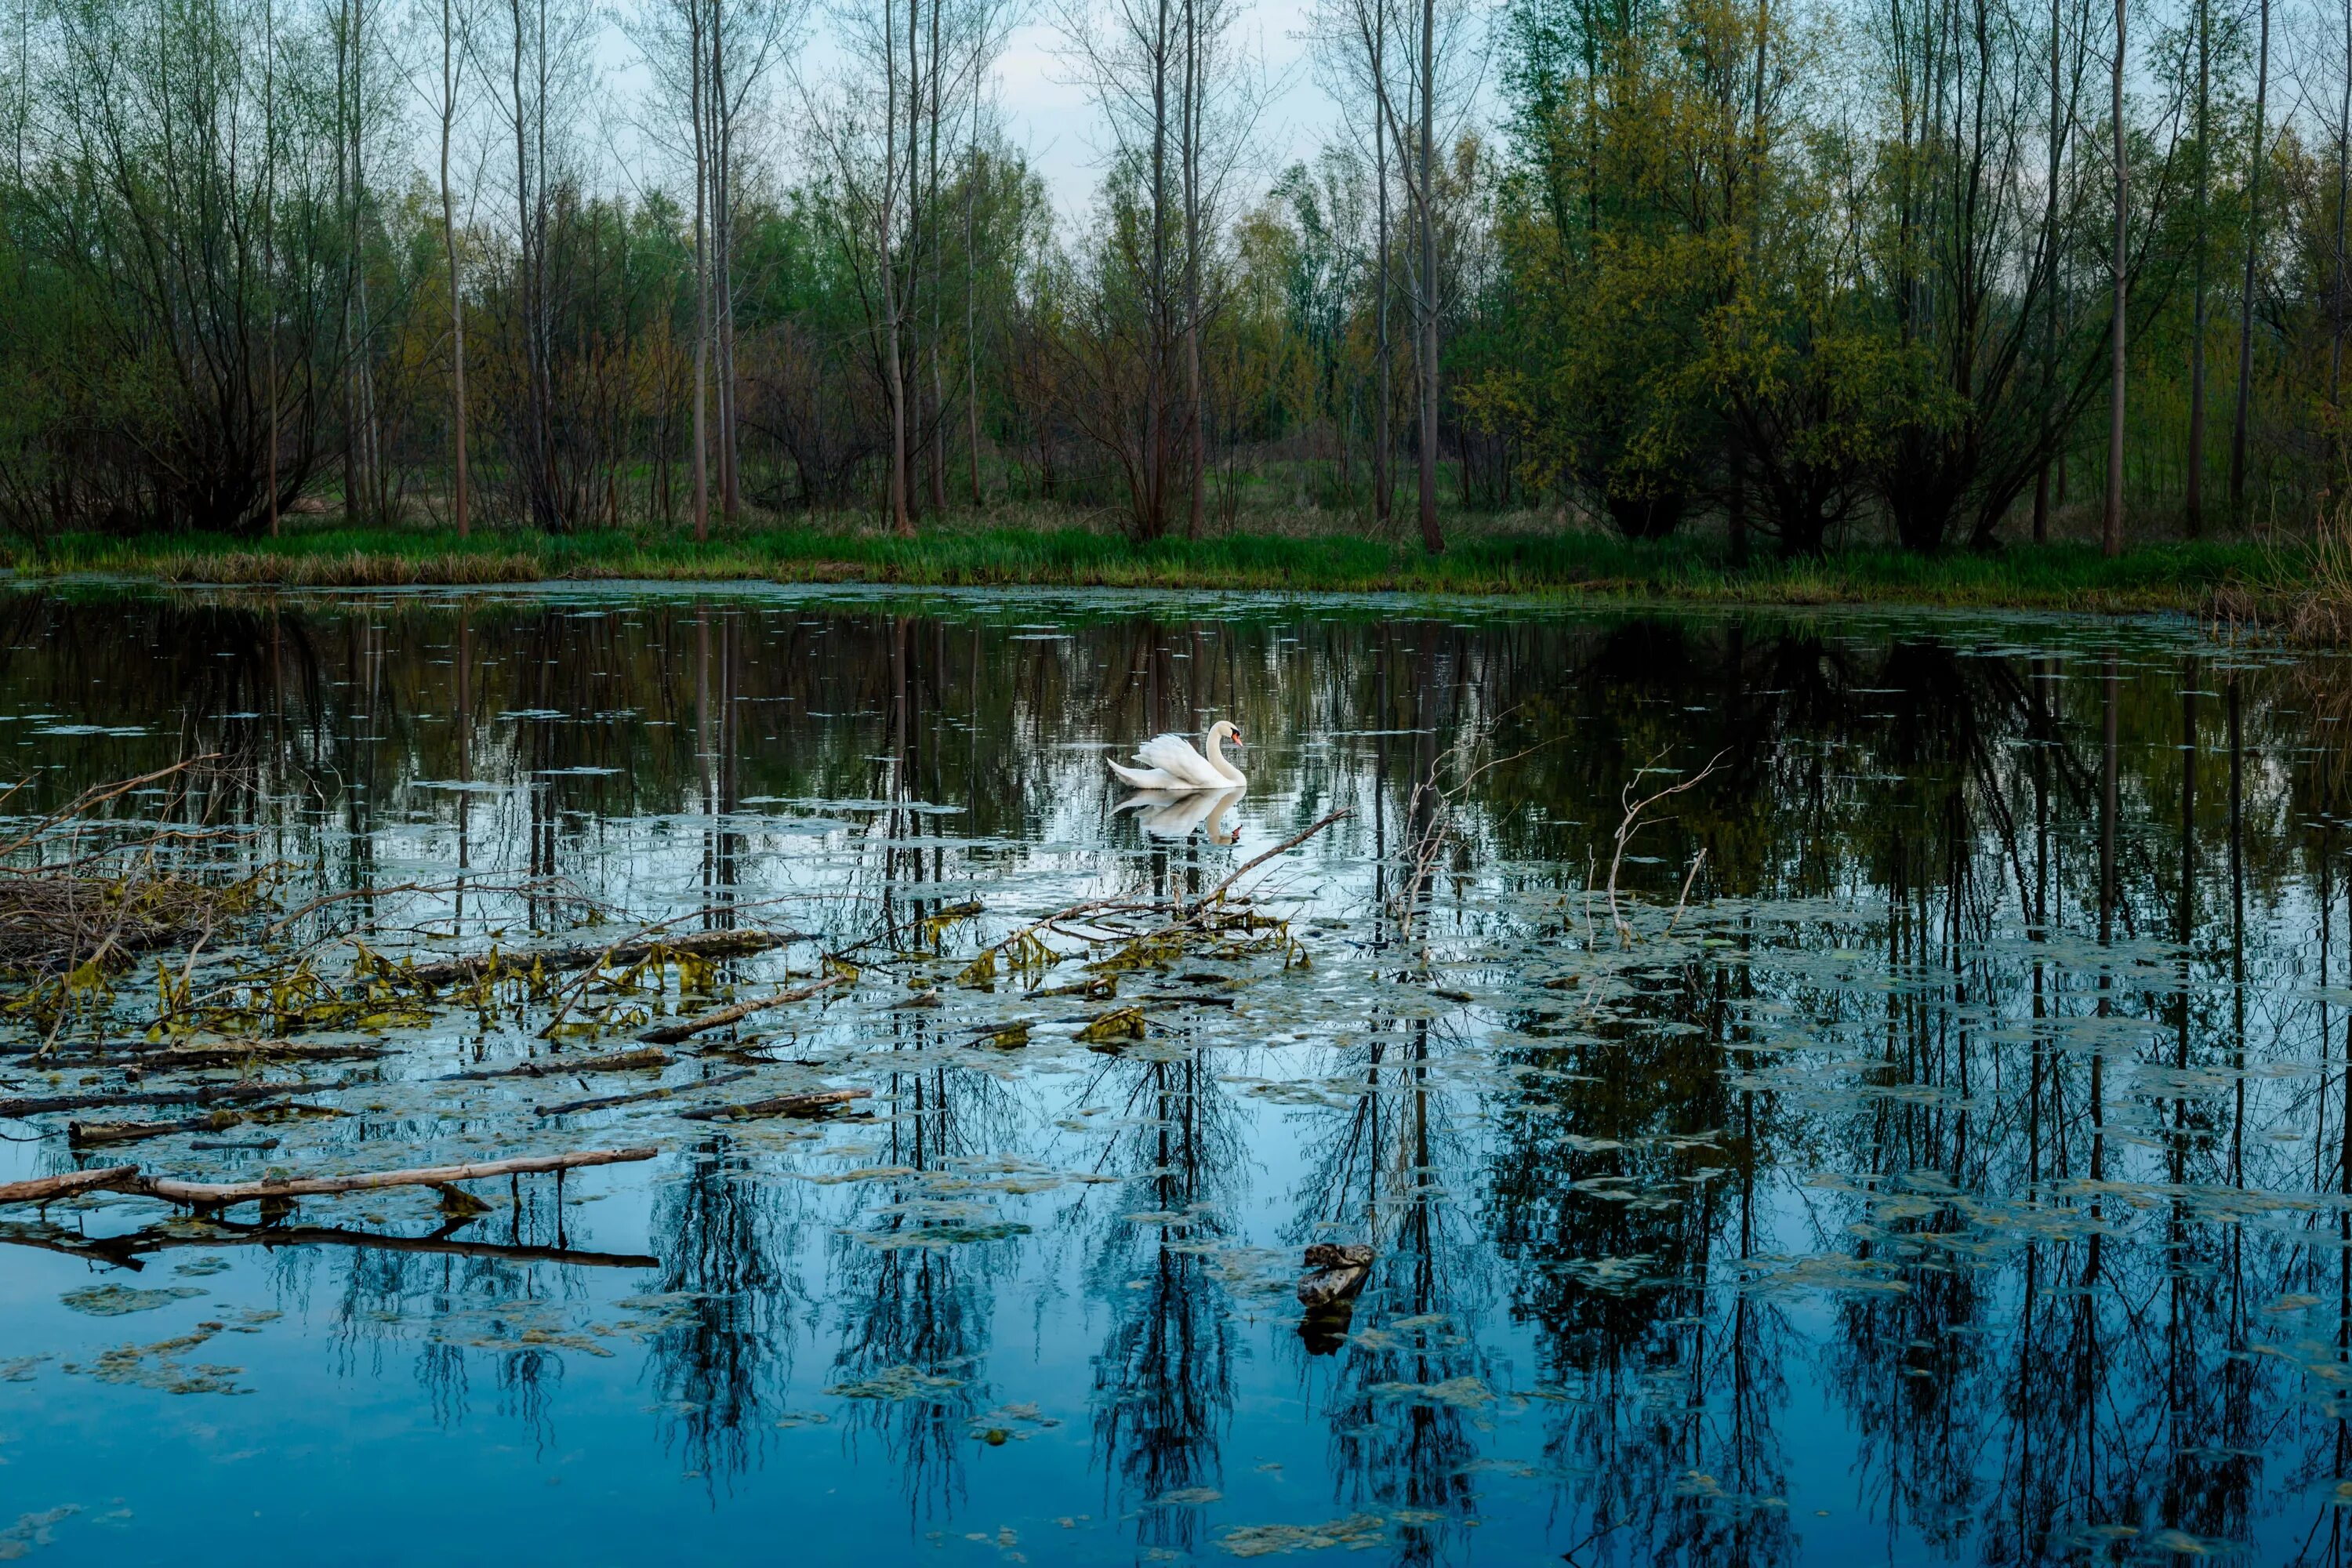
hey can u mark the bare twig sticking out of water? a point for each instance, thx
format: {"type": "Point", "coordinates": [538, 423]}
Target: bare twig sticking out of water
{"type": "Point", "coordinates": [1632, 823]}
{"type": "Point", "coordinates": [1254, 861]}
{"type": "Point", "coordinates": [1688, 878]}
{"type": "Point", "coordinates": [1431, 847]}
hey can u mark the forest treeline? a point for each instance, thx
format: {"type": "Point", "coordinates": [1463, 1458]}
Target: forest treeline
{"type": "Point", "coordinates": [1942, 272]}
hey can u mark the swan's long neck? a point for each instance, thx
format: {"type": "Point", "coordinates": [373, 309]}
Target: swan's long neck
{"type": "Point", "coordinates": [1217, 755]}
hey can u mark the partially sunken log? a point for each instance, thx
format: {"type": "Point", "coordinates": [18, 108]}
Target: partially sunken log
{"type": "Point", "coordinates": [821, 1102]}
{"type": "Point", "coordinates": [1337, 1273]}
{"type": "Point", "coordinates": [82, 1134]}
{"type": "Point", "coordinates": [620, 1061]}
{"type": "Point", "coordinates": [520, 961]}
{"type": "Point", "coordinates": [184, 1094]}
{"type": "Point", "coordinates": [211, 1195]}
{"type": "Point", "coordinates": [686, 1029]}
{"type": "Point", "coordinates": [48, 1189]}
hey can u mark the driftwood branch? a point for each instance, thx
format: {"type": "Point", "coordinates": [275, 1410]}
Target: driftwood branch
{"type": "Point", "coordinates": [48, 1189]}
{"type": "Point", "coordinates": [124, 1251]}
{"type": "Point", "coordinates": [666, 1091]}
{"type": "Point", "coordinates": [619, 1061]}
{"type": "Point", "coordinates": [82, 1134]}
{"type": "Point", "coordinates": [188, 1094]}
{"type": "Point", "coordinates": [211, 1195]}
{"type": "Point", "coordinates": [586, 955]}
{"type": "Point", "coordinates": [820, 1102]}
{"type": "Point", "coordinates": [687, 1028]}
{"type": "Point", "coordinates": [1254, 861]}
{"type": "Point", "coordinates": [216, 1194]}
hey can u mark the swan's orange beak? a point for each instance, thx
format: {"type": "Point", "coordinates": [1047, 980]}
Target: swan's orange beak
{"type": "Point", "coordinates": [1237, 739]}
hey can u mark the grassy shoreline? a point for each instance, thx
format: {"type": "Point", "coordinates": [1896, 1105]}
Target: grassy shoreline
{"type": "Point", "coordinates": [2234, 579]}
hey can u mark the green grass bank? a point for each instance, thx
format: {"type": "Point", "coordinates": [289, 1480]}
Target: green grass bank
{"type": "Point", "coordinates": [2238, 579]}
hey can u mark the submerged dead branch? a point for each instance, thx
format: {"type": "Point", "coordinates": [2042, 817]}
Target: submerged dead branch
{"type": "Point", "coordinates": [219, 1195]}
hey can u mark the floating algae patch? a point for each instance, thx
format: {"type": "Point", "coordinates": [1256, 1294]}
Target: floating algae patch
{"type": "Point", "coordinates": [121, 1301]}
{"type": "Point", "coordinates": [157, 1367]}
{"type": "Point", "coordinates": [897, 1383]}
{"type": "Point", "coordinates": [33, 1530]}
{"type": "Point", "coordinates": [1357, 1533]}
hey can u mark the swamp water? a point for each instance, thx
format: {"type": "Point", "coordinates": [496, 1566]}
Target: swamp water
{"type": "Point", "coordinates": [1960, 1175]}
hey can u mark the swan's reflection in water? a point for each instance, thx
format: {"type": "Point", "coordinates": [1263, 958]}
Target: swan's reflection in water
{"type": "Point", "coordinates": [1179, 814]}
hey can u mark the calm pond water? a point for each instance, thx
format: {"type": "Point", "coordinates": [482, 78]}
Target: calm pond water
{"type": "Point", "coordinates": [1960, 1176]}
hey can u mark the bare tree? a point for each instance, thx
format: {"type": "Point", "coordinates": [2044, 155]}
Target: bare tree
{"type": "Point", "coordinates": [2253, 251]}
{"type": "Point", "coordinates": [2111, 527]}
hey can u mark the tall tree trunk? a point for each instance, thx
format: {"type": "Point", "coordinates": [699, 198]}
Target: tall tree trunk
{"type": "Point", "coordinates": [2193, 510]}
{"type": "Point", "coordinates": [2111, 526]}
{"type": "Point", "coordinates": [2060, 127]}
{"type": "Point", "coordinates": [893, 378]}
{"type": "Point", "coordinates": [1383, 418]}
{"type": "Point", "coordinates": [970, 286]}
{"type": "Point", "coordinates": [697, 96]}
{"type": "Point", "coordinates": [1192, 132]}
{"type": "Point", "coordinates": [1431, 539]}
{"type": "Point", "coordinates": [1152, 522]}
{"type": "Point", "coordinates": [939, 427]}
{"type": "Point", "coordinates": [2246, 293]}
{"type": "Point", "coordinates": [270, 229]}
{"type": "Point", "coordinates": [2343, 198]}
{"type": "Point", "coordinates": [456, 298]}
{"type": "Point", "coordinates": [722, 264]}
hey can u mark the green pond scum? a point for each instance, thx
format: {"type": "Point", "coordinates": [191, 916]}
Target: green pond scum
{"type": "Point", "coordinates": [1815, 1087]}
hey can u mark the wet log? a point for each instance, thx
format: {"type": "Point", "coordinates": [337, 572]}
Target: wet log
{"type": "Point", "coordinates": [687, 1028]}
{"type": "Point", "coordinates": [1337, 1274]}
{"type": "Point", "coordinates": [236, 1051]}
{"type": "Point", "coordinates": [83, 1134]}
{"type": "Point", "coordinates": [619, 1061]}
{"type": "Point", "coordinates": [666, 1092]}
{"type": "Point", "coordinates": [520, 960]}
{"type": "Point", "coordinates": [48, 1189]}
{"type": "Point", "coordinates": [126, 1251]}
{"type": "Point", "coordinates": [186, 1094]}
{"type": "Point", "coordinates": [217, 1195]}
{"type": "Point", "coordinates": [820, 1102]}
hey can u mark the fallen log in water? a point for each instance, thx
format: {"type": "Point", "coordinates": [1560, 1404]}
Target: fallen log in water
{"type": "Point", "coordinates": [1337, 1273]}
{"type": "Point", "coordinates": [666, 1092]}
{"type": "Point", "coordinates": [520, 961]}
{"type": "Point", "coordinates": [82, 1134]}
{"type": "Point", "coordinates": [619, 1061]}
{"type": "Point", "coordinates": [125, 1251]}
{"type": "Point", "coordinates": [219, 1053]}
{"type": "Point", "coordinates": [48, 1189]}
{"type": "Point", "coordinates": [687, 1028]}
{"type": "Point", "coordinates": [187, 1094]}
{"type": "Point", "coordinates": [218, 1194]}
{"type": "Point", "coordinates": [820, 1102]}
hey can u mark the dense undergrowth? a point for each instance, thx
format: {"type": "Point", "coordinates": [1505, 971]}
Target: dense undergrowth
{"type": "Point", "coordinates": [2241, 580]}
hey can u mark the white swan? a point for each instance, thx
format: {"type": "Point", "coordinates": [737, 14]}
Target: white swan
{"type": "Point", "coordinates": [1174, 813]}
{"type": "Point", "coordinates": [1169, 763]}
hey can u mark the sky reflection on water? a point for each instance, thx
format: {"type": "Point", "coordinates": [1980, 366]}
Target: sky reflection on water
{"type": "Point", "coordinates": [1961, 1177]}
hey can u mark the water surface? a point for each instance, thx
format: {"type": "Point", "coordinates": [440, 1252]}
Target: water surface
{"type": "Point", "coordinates": [1957, 1173]}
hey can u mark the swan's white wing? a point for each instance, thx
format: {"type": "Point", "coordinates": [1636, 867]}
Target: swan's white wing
{"type": "Point", "coordinates": [1152, 779]}
{"type": "Point", "coordinates": [1174, 755]}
